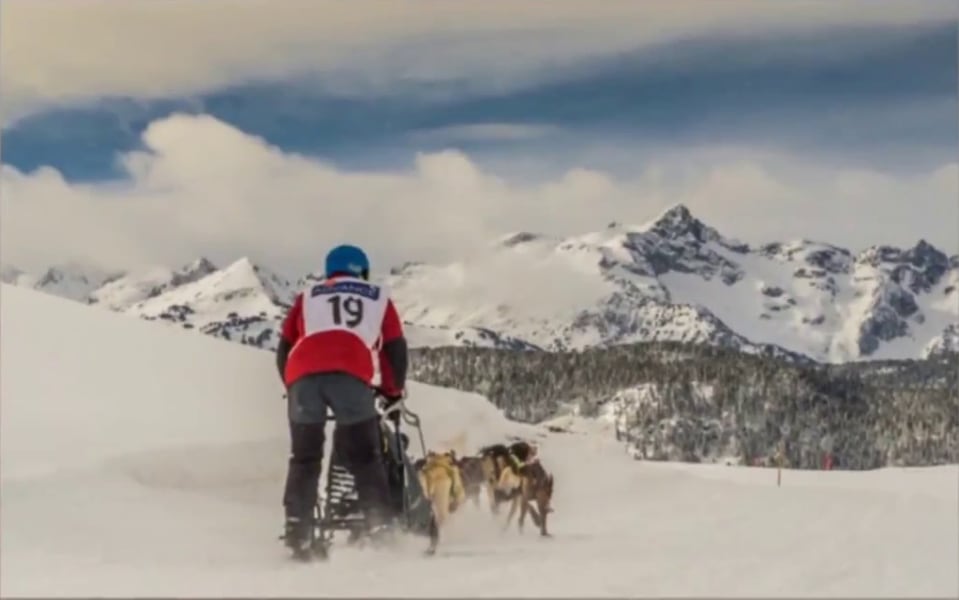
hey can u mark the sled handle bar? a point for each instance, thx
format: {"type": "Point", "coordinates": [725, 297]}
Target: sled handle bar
{"type": "Point", "coordinates": [409, 417]}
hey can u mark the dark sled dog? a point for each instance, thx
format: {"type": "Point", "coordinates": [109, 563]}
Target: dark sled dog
{"type": "Point", "coordinates": [536, 486]}
{"type": "Point", "coordinates": [471, 473]}
{"type": "Point", "coordinates": [500, 465]}
{"type": "Point", "coordinates": [514, 474]}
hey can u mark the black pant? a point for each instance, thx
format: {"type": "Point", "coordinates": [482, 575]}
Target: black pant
{"type": "Point", "coordinates": [358, 444]}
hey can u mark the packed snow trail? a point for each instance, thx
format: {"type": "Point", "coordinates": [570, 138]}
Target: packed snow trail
{"type": "Point", "coordinates": [144, 460]}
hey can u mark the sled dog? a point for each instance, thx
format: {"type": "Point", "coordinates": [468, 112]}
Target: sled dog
{"type": "Point", "coordinates": [442, 485]}
{"type": "Point", "coordinates": [501, 470]}
{"type": "Point", "coordinates": [536, 486]}
{"type": "Point", "coordinates": [471, 472]}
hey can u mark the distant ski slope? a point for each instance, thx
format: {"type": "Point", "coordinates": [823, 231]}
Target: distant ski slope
{"type": "Point", "coordinates": [141, 460]}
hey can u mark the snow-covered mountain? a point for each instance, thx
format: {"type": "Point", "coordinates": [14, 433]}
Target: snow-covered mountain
{"type": "Point", "coordinates": [69, 280]}
{"type": "Point", "coordinates": [125, 290]}
{"type": "Point", "coordinates": [677, 279]}
{"type": "Point", "coordinates": [241, 302]}
{"type": "Point", "coordinates": [672, 279]}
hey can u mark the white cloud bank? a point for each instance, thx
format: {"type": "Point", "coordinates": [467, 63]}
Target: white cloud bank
{"type": "Point", "coordinates": [206, 188]}
{"type": "Point", "coordinates": [63, 51]}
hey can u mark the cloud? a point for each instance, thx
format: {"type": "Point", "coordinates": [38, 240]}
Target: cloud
{"type": "Point", "coordinates": [203, 187]}
{"type": "Point", "coordinates": [485, 132]}
{"type": "Point", "coordinates": [148, 49]}
{"type": "Point", "coordinates": [885, 97]}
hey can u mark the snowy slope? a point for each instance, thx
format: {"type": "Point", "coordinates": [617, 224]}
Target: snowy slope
{"type": "Point", "coordinates": [152, 463]}
{"type": "Point", "coordinates": [672, 279]}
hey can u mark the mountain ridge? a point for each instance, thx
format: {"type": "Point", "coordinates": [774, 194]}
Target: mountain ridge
{"type": "Point", "coordinates": [673, 278]}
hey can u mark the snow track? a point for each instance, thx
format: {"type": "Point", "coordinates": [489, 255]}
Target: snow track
{"type": "Point", "coordinates": [141, 460]}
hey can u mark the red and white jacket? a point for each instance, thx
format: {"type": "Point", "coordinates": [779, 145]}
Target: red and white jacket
{"type": "Point", "coordinates": [337, 325]}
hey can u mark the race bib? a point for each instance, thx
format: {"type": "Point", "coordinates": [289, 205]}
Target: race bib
{"type": "Point", "coordinates": [350, 305]}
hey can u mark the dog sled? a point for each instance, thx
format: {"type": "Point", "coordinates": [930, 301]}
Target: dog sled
{"type": "Point", "coordinates": [337, 509]}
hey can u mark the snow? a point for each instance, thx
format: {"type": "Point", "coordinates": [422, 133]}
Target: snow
{"type": "Point", "coordinates": [16, 276]}
{"type": "Point", "coordinates": [242, 301]}
{"type": "Point", "coordinates": [125, 291]}
{"type": "Point", "coordinates": [68, 280]}
{"type": "Point", "coordinates": [739, 306]}
{"type": "Point", "coordinates": [131, 288]}
{"type": "Point", "coordinates": [947, 341]}
{"type": "Point", "coordinates": [671, 279]}
{"type": "Point", "coordinates": [140, 460]}
{"type": "Point", "coordinates": [419, 336]}
{"type": "Point", "coordinates": [521, 288]}
{"type": "Point", "coordinates": [939, 313]}
{"type": "Point", "coordinates": [95, 385]}
{"type": "Point", "coordinates": [789, 320]}
{"type": "Point", "coordinates": [207, 296]}
{"type": "Point", "coordinates": [804, 296]}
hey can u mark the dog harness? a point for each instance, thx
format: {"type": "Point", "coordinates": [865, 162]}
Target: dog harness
{"type": "Point", "coordinates": [451, 472]}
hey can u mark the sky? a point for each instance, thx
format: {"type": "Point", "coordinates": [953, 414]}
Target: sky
{"type": "Point", "coordinates": [143, 133]}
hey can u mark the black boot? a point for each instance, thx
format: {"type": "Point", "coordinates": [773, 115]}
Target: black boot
{"type": "Point", "coordinates": [302, 482]}
{"type": "Point", "coordinates": [298, 536]}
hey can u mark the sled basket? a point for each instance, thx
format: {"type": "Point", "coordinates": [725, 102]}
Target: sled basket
{"type": "Point", "coordinates": [338, 507]}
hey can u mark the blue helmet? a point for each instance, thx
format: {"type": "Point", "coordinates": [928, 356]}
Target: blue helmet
{"type": "Point", "coordinates": [349, 260]}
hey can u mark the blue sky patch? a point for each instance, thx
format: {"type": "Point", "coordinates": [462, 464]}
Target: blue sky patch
{"type": "Point", "coordinates": [878, 97]}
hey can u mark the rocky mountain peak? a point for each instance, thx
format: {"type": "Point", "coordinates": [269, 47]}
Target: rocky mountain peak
{"type": "Point", "coordinates": [678, 221]}
{"type": "Point", "coordinates": [918, 268]}
{"type": "Point", "coordinates": [926, 257]}
{"type": "Point", "coordinates": [522, 237]}
{"type": "Point", "coordinates": [200, 265]}
{"type": "Point", "coordinates": [678, 224]}
{"type": "Point", "coordinates": [193, 271]}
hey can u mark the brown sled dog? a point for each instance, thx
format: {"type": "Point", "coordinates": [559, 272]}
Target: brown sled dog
{"type": "Point", "coordinates": [442, 485]}
{"type": "Point", "coordinates": [501, 470]}
{"type": "Point", "coordinates": [471, 472]}
{"type": "Point", "coordinates": [536, 485]}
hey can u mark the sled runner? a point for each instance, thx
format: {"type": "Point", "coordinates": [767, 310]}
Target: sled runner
{"type": "Point", "coordinates": [338, 510]}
